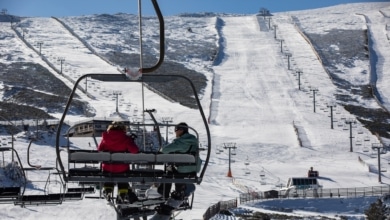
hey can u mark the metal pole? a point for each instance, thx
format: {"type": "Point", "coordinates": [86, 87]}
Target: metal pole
{"type": "Point", "coordinates": [331, 117]}
{"type": "Point", "coordinates": [37, 129]}
{"type": "Point", "coordinates": [40, 47]}
{"type": "Point", "coordinates": [350, 121]}
{"type": "Point", "coordinates": [275, 26]}
{"type": "Point", "coordinates": [117, 102]}
{"type": "Point", "coordinates": [378, 147]}
{"type": "Point", "coordinates": [61, 59]}
{"type": "Point", "coordinates": [166, 133]}
{"type": "Point", "coordinates": [12, 145]}
{"type": "Point", "coordinates": [314, 100]}
{"type": "Point", "coordinates": [288, 61]}
{"type": "Point", "coordinates": [230, 146]}
{"type": "Point", "coordinates": [350, 136]}
{"type": "Point", "coordinates": [379, 166]}
{"type": "Point", "coordinates": [269, 23]}
{"type": "Point", "coordinates": [86, 82]}
{"type": "Point", "coordinates": [281, 46]}
{"type": "Point", "coordinates": [230, 170]}
{"type": "Point", "coordinates": [299, 80]}
{"type": "Point", "coordinates": [299, 72]}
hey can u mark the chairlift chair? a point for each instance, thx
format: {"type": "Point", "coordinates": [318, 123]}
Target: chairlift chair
{"type": "Point", "coordinates": [247, 161]}
{"type": "Point", "coordinates": [217, 151]}
{"type": "Point", "coordinates": [262, 174]}
{"type": "Point", "coordinates": [358, 142]}
{"type": "Point", "coordinates": [262, 177]}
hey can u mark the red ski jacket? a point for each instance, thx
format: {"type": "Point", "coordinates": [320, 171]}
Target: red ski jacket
{"type": "Point", "coordinates": [116, 141]}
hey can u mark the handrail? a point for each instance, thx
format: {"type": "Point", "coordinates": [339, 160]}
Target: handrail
{"type": "Point", "coordinates": [150, 112]}
{"type": "Point", "coordinates": [38, 167]}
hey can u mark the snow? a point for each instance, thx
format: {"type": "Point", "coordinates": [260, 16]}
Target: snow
{"type": "Point", "coordinates": [255, 103]}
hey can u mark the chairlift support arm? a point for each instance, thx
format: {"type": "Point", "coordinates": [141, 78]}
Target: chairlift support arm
{"type": "Point", "coordinates": [162, 40]}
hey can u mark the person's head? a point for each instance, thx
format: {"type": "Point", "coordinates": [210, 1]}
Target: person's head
{"type": "Point", "coordinates": [181, 129]}
{"type": "Point", "coordinates": [117, 125]}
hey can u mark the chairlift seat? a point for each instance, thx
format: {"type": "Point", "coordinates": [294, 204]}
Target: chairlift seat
{"type": "Point", "coordinates": [89, 173]}
{"type": "Point", "coordinates": [38, 168]}
{"type": "Point", "coordinates": [85, 171]}
{"type": "Point", "coordinates": [55, 198]}
{"type": "Point", "coordinates": [9, 194]}
{"type": "Point", "coordinates": [81, 190]}
{"type": "Point", "coordinates": [49, 198]}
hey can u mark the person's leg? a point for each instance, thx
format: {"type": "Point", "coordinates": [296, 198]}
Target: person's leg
{"type": "Point", "coordinates": [179, 192]}
{"type": "Point", "coordinates": [108, 187]}
{"type": "Point", "coordinates": [123, 190]}
{"type": "Point", "coordinates": [164, 189]}
{"type": "Point", "coordinates": [180, 187]}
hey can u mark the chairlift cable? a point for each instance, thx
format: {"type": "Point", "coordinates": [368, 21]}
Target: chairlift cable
{"type": "Point", "coordinates": [141, 67]}
{"type": "Point", "coordinates": [140, 33]}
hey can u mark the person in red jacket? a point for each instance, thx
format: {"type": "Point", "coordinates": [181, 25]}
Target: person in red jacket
{"type": "Point", "coordinates": [116, 140]}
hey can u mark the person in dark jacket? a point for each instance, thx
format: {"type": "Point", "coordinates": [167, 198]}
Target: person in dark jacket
{"type": "Point", "coordinates": [185, 143]}
{"type": "Point", "coordinates": [116, 140]}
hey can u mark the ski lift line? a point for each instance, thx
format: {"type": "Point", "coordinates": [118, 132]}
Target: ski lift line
{"type": "Point", "coordinates": [140, 33]}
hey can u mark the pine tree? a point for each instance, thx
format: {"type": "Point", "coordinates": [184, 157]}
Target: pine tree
{"type": "Point", "coordinates": [377, 211]}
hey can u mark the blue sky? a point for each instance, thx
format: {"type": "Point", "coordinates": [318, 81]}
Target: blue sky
{"type": "Point", "coordinates": [46, 8]}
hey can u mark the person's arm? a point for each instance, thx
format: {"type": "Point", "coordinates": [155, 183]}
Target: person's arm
{"type": "Point", "coordinates": [170, 148]}
{"type": "Point", "coordinates": [177, 146]}
{"type": "Point", "coordinates": [102, 144]}
{"type": "Point", "coordinates": [132, 148]}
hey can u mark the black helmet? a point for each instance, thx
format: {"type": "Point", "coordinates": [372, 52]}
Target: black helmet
{"type": "Point", "coordinates": [182, 126]}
